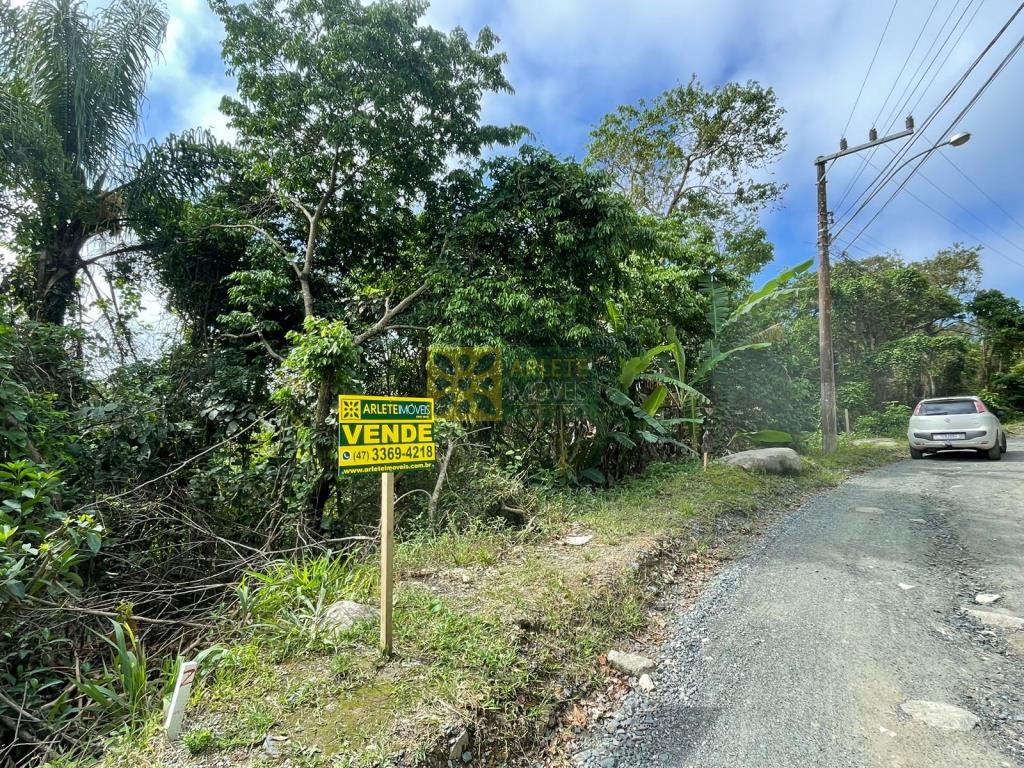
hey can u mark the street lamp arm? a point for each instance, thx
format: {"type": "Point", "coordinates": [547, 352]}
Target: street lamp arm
{"type": "Point", "coordinates": [956, 140]}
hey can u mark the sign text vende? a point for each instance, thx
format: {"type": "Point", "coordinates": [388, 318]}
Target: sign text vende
{"type": "Point", "coordinates": [384, 434]}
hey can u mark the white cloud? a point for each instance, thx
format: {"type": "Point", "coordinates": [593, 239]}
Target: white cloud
{"type": "Point", "coordinates": [571, 61]}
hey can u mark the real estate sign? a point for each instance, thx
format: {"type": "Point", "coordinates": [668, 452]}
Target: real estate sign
{"type": "Point", "coordinates": [384, 434]}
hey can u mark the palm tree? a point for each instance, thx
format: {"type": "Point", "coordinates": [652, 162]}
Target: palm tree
{"type": "Point", "coordinates": [71, 85]}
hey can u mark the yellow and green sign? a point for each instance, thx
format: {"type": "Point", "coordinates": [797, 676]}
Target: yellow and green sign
{"type": "Point", "coordinates": [384, 434]}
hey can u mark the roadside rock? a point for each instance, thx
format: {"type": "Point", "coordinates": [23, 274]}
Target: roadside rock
{"type": "Point", "coordinates": [578, 540]}
{"type": "Point", "coordinates": [646, 684]}
{"type": "Point", "coordinates": [344, 614]}
{"type": "Point", "coordinates": [774, 461]}
{"type": "Point", "coordinates": [995, 619]}
{"type": "Point", "coordinates": [938, 714]}
{"type": "Point", "coordinates": [986, 598]}
{"type": "Point", "coordinates": [275, 746]}
{"type": "Point", "coordinates": [459, 746]}
{"type": "Point", "coordinates": [630, 664]}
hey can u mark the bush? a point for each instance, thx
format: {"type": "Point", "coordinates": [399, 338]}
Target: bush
{"type": "Point", "coordinates": [892, 422]}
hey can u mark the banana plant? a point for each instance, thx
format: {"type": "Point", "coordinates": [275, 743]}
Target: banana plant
{"type": "Point", "coordinates": [721, 316]}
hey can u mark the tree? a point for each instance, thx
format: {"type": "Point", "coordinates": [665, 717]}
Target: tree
{"type": "Point", "coordinates": [70, 169]}
{"type": "Point", "coordinates": [956, 269]}
{"type": "Point", "coordinates": [1000, 320]}
{"type": "Point", "coordinates": [347, 115]}
{"type": "Point", "coordinates": [897, 328]}
{"type": "Point", "coordinates": [534, 258]}
{"type": "Point", "coordinates": [695, 153]}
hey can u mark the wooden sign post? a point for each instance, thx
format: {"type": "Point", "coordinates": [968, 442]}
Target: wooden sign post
{"type": "Point", "coordinates": [387, 559]}
{"type": "Point", "coordinates": [386, 435]}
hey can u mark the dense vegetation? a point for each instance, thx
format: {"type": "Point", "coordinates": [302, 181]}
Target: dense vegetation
{"type": "Point", "coordinates": [365, 217]}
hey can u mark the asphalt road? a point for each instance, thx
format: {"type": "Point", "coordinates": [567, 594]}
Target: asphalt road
{"type": "Point", "coordinates": [802, 653]}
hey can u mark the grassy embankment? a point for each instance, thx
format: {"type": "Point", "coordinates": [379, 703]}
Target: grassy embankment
{"type": "Point", "coordinates": [495, 629]}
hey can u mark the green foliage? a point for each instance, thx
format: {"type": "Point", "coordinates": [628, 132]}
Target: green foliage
{"type": "Point", "coordinates": [40, 548]}
{"type": "Point", "coordinates": [537, 256]}
{"type": "Point", "coordinates": [199, 741]}
{"type": "Point", "coordinates": [692, 150]}
{"type": "Point", "coordinates": [123, 691]}
{"type": "Point", "coordinates": [71, 84]}
{"type": "Point", "coordinates": [898, 333]}
{"type": "Point", "coordinates": [322, 347]}
{"type": "Point", "coordinates": [360, 218]}
{"type": "Point", "coordinates": [891, 422]}
{"type": "Point", "coordinates": [1011, 386]}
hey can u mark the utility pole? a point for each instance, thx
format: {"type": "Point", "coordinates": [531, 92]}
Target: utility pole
{"type": "Point", "coordinates": [828, 370]}
{"type": "Point", "coordinates": [829, 438]}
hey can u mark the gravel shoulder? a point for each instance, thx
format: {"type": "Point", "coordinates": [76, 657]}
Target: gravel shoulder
{"type": "Point", "coordinates": [805, 652]}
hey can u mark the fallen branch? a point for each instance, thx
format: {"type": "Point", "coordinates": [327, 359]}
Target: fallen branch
{"type": "Point", "coordinates": [111, 615]}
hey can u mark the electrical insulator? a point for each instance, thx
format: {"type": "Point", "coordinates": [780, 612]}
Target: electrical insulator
{"type": "Point", "coordinates": [872, 135]}
{"type": "Point", "coordinates": [842, 144]}
{"type": "Point", "coordinates": [910, 123]}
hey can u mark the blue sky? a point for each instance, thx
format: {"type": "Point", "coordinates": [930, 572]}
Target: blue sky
{"type": "Point", "coordinates": [571, 61]}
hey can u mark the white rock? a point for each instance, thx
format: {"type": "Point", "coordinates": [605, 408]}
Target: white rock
{"type": "Point", "coordinates": [986, 598]}
{"type": "Point", "coordinates": [995, 619]}
{"type": "Point", "coordinates": [578, 541]}
{"type": "Point", "coordinates": [774, 461]}
{"type": "Point", "coordinates": [901, 585]}
{"type": "Point", "coordinates": [631, 664]}
{"type": "Point", "coordinates": [459, 745]}
{"type": "Point", "coordinates": [938, 714]}
{"type": "Point", "coordinates": [275, 746]}
{"type": "Point", "coordinates": [344, 614]}
{"type": "Point", "coordinates": [646, 684]}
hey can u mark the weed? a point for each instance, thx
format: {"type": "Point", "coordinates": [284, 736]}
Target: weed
{"type": "Point", "coordinates": [124, 690]}
{"type": "Point", "coordinates": [199, 741]}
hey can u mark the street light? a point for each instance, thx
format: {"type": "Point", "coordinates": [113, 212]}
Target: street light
{"type": "Point", "coordinates": [956, 140]}
{"type": "Point", "coordinates": [828, 373]}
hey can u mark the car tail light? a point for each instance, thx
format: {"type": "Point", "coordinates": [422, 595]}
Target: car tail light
{"type": "Point", "coordinates": [917, 410]}
{"type": "Point", "coordinates": [979, 406]}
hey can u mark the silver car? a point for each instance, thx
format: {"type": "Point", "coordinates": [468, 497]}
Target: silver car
{"type": "Point", "coordinates": [956, 423]}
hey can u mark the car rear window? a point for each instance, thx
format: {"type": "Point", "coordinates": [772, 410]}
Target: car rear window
{"type": "Point", "coordinates": [948, 407]}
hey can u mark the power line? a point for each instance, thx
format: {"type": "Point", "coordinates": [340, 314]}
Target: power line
{"type": "Point", "coordinates": [906, 61]}
{"type": "Point", "coordinates": [860, 169]}
{"type": "Point", "coordinates": [892, 167]}
{"type": "Point", "coordinates": [987, 196]}
{"type": "Point", "coordinates": [970, 104]}
{"type": "Point", "coordinates": [966, 210]}
{"type": "Point", "coordinates": [949, 53]}
{"type": "Point", "coordinates": [872, 64]}
{"type": "Point", "coordinates": [958, 226]}
{"type": "Point", "coordinates": [904, 98]}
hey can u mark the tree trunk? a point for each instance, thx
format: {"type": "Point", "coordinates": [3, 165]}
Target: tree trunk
{"type": "Point", "coordinates": [325, 458]}
{"type": "Point", "coordinates": [56, 270]}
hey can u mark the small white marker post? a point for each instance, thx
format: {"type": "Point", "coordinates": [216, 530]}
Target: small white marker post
{"type": "Point", "coordinates": [179, 700]}
{"type": "Point", "coordinates": [387, 555]}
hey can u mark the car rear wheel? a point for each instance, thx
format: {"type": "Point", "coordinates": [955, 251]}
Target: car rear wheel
{"type": "Point", "coordinates": [1004, 443]}
{"type": "Point", "coordinates": [916, 454]}
{"type": "Point", "coordinates": [995, 453]}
